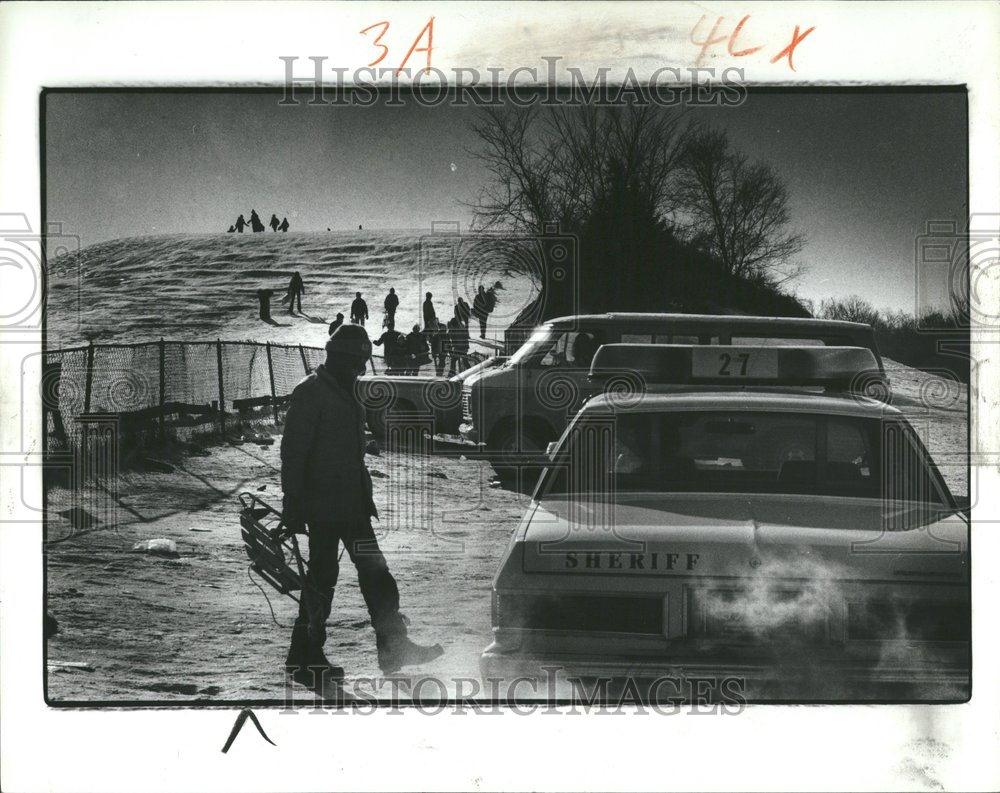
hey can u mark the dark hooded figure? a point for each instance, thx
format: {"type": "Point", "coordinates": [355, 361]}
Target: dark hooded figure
{"type": "Point", "coordinates": [284, 224]}
{"type": "Point", "coordinates": [241, 224]}
{"type": "Point", "coordinates": [274, 223]}
{"type": "Point", "coordinates": [326, 486]}
{"type": "Point", "coordinates": [390, 304]}
{"type": "Point", "coordinates": [296, 288]}
{"type": "Point", "coordinates": [336, 323]}
{"type": "Point", "coordinates": [359, 310]}
{"type": "Point", "coordinates": [255, 223]}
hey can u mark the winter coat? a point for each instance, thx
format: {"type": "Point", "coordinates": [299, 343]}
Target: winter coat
{"type": "Point", "coordinates": [323, 472]}
{"type": "Point", "coordinates": [458, 337]}
{"type": "Point", "coordinates": [359, 309]}
{"type": "Point", "coordinates": [416, 345]}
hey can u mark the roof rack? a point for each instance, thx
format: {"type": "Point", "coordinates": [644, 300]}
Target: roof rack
{"type": "Point", "coordinates": [834, 368]}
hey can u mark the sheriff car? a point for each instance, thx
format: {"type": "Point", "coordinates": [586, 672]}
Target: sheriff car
{"type": "Point", "coordinates": [739, 513]}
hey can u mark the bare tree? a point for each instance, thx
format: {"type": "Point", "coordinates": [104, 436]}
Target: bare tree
{"type": "Point", "coordinates": [738, 210]}
{"type": "Point", "coordinates": [606, 174]}
{"type": "Point", "coordinates": [567, 164]}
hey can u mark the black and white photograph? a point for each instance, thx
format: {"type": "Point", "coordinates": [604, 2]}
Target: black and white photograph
{"type": "Point", "coordinates": [468, 396]}
{"type": "Point", "coordinates": [652, 415]}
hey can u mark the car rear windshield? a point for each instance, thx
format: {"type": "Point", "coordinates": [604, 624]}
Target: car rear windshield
{"type": "Point", "coordinates": [743, 452]}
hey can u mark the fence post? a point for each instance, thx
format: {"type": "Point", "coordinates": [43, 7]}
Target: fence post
{"type": "Point", "coordinates": [222, 392]}
{"type": "Point", "coordinates": [90, 377]}
{"type": "Point", "coordinates": [163, 383]}
{"type": "Point", "coordinates": [305, 363]}
{"type": "Point", "coordinates": [270, 373]}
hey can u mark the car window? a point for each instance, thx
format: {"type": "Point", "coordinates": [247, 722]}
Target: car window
{"type": "Point", "coordinates": [746, 452]}
{"type": "Point", "coordinates": [572, 348]}
{"type": "Point", "coordinates": [905, 472]}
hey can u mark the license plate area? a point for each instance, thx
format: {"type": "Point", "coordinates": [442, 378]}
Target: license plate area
{"type": "Point", "coordinates": [757, 614]}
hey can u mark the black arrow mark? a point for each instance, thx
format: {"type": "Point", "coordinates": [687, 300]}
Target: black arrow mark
{"type": "Point", "coordinates": [246, 712]}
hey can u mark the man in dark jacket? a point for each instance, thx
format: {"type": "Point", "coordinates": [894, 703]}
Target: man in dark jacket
{"type": "Point", "coordinates": [327, 486]}
{"type": "Point", "coordinates": [391, 304]}
{"type": "Point", "coordinates": [359, 310]}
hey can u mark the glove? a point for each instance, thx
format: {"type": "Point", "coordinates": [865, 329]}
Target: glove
{"type": "Point", "coordinates": [291, 518]}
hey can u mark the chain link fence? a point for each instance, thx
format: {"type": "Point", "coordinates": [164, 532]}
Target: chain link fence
{"type": "Point", "coordinates": [147, 383]}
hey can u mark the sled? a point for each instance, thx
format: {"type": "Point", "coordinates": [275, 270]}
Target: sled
{"type": "Point", "coordinates": [270, 546]}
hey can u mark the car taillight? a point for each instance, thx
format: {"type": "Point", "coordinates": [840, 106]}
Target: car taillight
{"type": "Point", "coordinates": [910, 620]}
{"type": "Point", "coordinates": [467, 405]}
{"type": "Point", "coordinates": [625, 614]}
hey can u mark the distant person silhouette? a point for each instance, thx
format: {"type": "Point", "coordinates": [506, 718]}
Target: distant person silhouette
{"type": "Point", "coordinates": [231, 229]}
{"type": "Point", "coordinates": [284, 224]}
{"type": "Point", "coordinates": [359, 310]}
{"type": "Point", "coordinates": [296, 288]}
{"type": "Point", "coordinates": [430, 315]}
{"type": "Point", "coordinates": [359, 227]}
{"type": "Point", "coordinates": [336, 323]}
{"type": "Point", "coordinates": [241, 224]}
{"type": "Point", "coordinates": [480, 310]}
{"type": "Point", "coordinates": [439, 345]}
{"type": "Point", "coordinates": [391, 304]}
{"type": "Point", "coordinates": [274, 223]}
{"type": "Point", "coordinates": [463, 311]}
{"type": "Point", "coordinates": [255, 223]}
{"type": "Point", "coordinates": [458, 345]}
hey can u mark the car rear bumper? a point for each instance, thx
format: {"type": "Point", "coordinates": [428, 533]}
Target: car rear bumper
{"type": "Point", "coordinates": [469, 434]}
{"type": "Point", "coordinates": [559, 676]}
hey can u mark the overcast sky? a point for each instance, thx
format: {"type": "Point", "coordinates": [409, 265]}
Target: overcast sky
{"type": "Point", "coordinates": [865, 170]}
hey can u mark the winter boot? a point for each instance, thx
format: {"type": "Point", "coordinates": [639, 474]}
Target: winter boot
{"type": "Point", "coordinates": [308, 664]}
{"type": "Point", "coordinates": [395, 650]}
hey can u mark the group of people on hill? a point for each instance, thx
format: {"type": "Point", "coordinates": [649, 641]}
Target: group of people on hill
{"type": "Point", "coordinates": [406, 353]}
{"type": "Point", "coordinates": [256, 225]}
{"type": "Point", "coordinates": [437, 342]}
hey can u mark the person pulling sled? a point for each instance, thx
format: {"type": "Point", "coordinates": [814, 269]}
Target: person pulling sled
{"type": "Point", "coordinates": [327, 487]}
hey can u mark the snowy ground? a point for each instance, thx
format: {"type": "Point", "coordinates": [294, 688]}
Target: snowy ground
{"type": "Point", "coordinates": [160, 629]}
{"type": "Point", "coordinates": [198, 623]}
